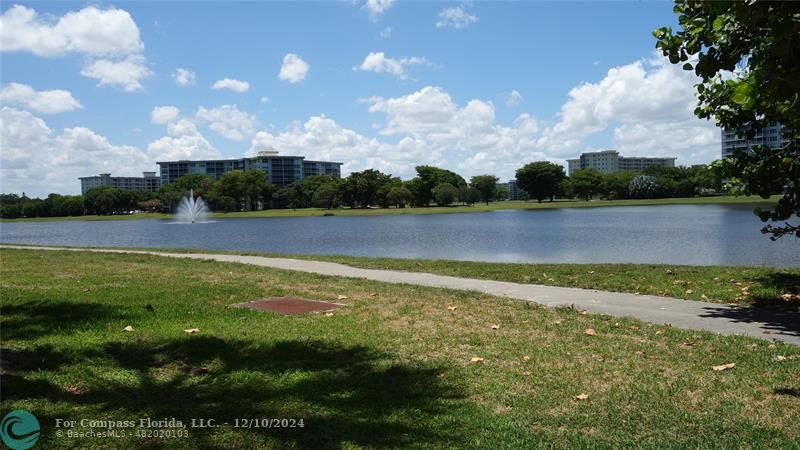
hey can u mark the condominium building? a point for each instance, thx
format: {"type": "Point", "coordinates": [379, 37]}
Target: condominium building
{"type": "Point", "coordinates": [514, 191]}
{"type": "Point", "coordinates": [610, 161]}
{"type": "Point", "coordinates": [149, 182]}
{"type": "Point", "coordinates": [773, 136]}
{"type": "Point", "coordinates": [280, 170]}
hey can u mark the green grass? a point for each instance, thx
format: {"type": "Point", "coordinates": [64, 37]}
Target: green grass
{"type": "Point", "coordinates": [758, 286]}
{"type": "Point", "coordinates": [390, 369]}
{"type": "Point", "coordinates": [494, 206]}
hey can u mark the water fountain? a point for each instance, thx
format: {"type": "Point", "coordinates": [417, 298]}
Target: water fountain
{"type": "Point", "coordinates": [191, 209]}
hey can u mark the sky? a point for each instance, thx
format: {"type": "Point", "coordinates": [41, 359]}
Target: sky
{"type": "Point", "coordinates": [474, 87]}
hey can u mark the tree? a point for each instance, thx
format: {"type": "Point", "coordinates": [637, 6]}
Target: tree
{"type": "Point", "coordinates": [326, 196]}
{"type": "Point", "coordinates": [759, 43]}
{"type": "Point", "coordinates": [502, 193]}
{"type": "Point", "coordinates": [540, 179]}
{"type": "Point", "coordinates": [361, 188]}
{"type": "Point", "coordinates": [444, 194]}
{"type": "Point", "coordinates": [644, 186]}
{"type": "Point", "coordinates": [399, 196]}
{"type": "Point", "coordinates": [585, 183]}
{"type": "Point", "coordinates": [232, 184]}
{"type": "Point", "coordinates": [615, 185]}
{"type": "Point", "coordinates": [428, 178]}
{"type": "Point", "coordinates": [100, 200]}
{"type": "Point", "coordinates": [486, 186]}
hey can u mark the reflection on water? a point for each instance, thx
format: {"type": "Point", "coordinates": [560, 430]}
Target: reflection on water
{"type": "Point", "coordinates": [674, 234]}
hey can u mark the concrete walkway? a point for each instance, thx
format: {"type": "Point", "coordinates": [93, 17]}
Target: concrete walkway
{"type": "Point", "coordinates": [714, 317]}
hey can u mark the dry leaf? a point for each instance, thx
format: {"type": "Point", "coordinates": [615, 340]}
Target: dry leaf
{"type": "Point", "coordinates": [780, 358]}
{"type": "Point", "coordinates": [329, 314]}
{"type": "Point", "coordinates": [341, 297]}
{"type": "Point", "coordinates": [722, 367]}
{"type": "Point", "coordinates": [495, 327]}
{"type": "Point", "coordinates": [590, 332]}
{"type": "Point", "coordinates": [452, 308]}
{"type": "Point", "coordinates": [526, 373]}
{"type": "Point", "coordinates": [128, 328]}
{"type": "Point", "coordinates": [689, 291]}
{"type": "Point", "coordinates": [590, 272]}
{"type": "Point", "coordinates": [192, 330]}
{"type": "Point", "coordinates": [557, 322]}
{"type": "Point", "coordinates": [690, 343]}
{"type": "Point", "coordinates": [526, 357]}
{"type": "Point", "coordinates": [476, 360]}
{"type": "Point", "coordinates": [633, 327]}
{"type": "Point", "coordinates": [580, 397]}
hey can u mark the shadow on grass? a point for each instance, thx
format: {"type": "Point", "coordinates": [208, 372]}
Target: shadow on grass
{"type": "Point", "coordinates": [347, 395]}
{"type": "Point", "coordinates": [775, 321]}
{"type": "Point", "coordinates": [37, 318]}
{"type": "Point", "coordinates": [775, 284]}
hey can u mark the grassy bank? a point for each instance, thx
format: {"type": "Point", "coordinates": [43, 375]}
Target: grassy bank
{"type": "Point", "coordinates": [494, 206]}
{"type": "Point", "coordinates": [392, 368]}
{"type": "Point", "coordinates": [756, 286]}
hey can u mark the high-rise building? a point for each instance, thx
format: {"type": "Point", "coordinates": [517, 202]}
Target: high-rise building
{"type": "Point", "coordinates": [280, 170]}
{"type": "Point", "coordinates": [773, 135]}
{"type": "Point", "coordinates": [610, 161]}
{"type": "Point", "coordinates": [514, 191]}
{"type": "Point", "coordinates": [149, 182]}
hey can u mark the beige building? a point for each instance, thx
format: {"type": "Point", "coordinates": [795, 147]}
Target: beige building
{"type": "Point", "coordinates": [609, 161]}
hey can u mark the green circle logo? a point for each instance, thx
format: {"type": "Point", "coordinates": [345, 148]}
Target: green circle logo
{"type": "Point", "coordinates": [19, 429]}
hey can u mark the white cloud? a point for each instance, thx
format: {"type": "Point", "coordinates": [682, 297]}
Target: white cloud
{"type": "Point", "coordinates": [294, 69]}
{"type": "Point", "coordinates": [109, 37]}
{"type": "Point", "coordinates": [228, 121]}
{"type": "Point", "coordinates": [184, 77]}
{"type": "Point", "coordinates": [455, 17]}
{"type": "Point", "coordinates": [182, 141]}
{"type": "Point", "coordinates": [377, 7]}
{"type": "Point", "coordinates": [126, 73]}
{"type": "Point", "coordinates": [47, 102]}
{"type": "Point", "coordinates": [231, 84]}
{"type": "Point", "coordinates": [30, 152]}
{"type": "Point", "coordinates": [386, 33]}
{"type": "Point", "coordinates": [91, 30]}
{"type": "Point", "coordinates": [648, 103]}
{"type": "Point", "coordinates": [164, 114]}
{"type": "Point", "coordinates": [264, 99]}
{"type": "Point", "coordinates": [513, 98]}
{"type": "Point", "coordinates": [379, 63]}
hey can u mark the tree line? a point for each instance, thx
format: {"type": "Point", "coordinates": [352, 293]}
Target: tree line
{"type": "Point", "coordinates": [249, 190]}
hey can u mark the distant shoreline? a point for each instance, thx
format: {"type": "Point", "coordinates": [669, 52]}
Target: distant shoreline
{"type": "Point", "coordinates": [494, 206]}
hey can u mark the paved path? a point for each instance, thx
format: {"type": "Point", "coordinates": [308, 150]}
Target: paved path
{"type": "Point", "coordinates": [714, 317]}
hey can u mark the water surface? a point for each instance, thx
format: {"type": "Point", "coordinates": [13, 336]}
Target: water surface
{"type": "Point", "coordinates": [668, 234]}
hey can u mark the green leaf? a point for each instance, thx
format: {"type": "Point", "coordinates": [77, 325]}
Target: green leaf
{"type": "Point", "coordinates": [687, 66]}
{"type": "Point", "coordinates": [741, 93]}
{"type": "Point", "coordinates": [719, 22]}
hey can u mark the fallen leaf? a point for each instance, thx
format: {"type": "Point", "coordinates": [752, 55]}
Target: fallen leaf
{"type": "Point", "coordinates": [526, 357]}
{"type": "Point", "coordinates": [590, 272]}
{"type": "Point", "coordinates": [633, 327]}
{"type": "Point", "coordinates": [452, 308]}
{"type": "Point", "coordinates": [704, 297]}
{"type": "Point", "coordinates": [476, 360]}
{"type": "Point", "coordinates": [580, 397]}
{"type": "Point", "coordinates": [329, 314]}
{"type": "Point", "coordinates": [86, 290]}
{"type": "Point", "coordinates": [495, 327]}
{"type": "Point", "coordinates": [690, 343]}
{"type": "Point", "coordinates": [780, 358]}
{"type": "Point", "coordinates": [689, 291]}
{"type": "Point", "coordinates": [341, 297]}
{"type": "Point", "coordinates": [192, 330]}
{"type": "Point", "coordinates": [526, 373]}
{"type": "Point", "coordinates": [771, 346]}
{"type": "Point", "coordinates": [557, 322]}
{"type": "Point", "coordinates": [590, 332]}
{"type": "Point", "coordinates": [374, 294]}
{"type": "Point", "coordinates": [722, 367]}
{"type": "Point", "coordinates": [128, 328]}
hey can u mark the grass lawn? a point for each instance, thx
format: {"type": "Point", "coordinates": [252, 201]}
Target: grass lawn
{"type": "Point", "coordinates": [390, 369]}
{"type": "Point", "coordinates": [494, 206]}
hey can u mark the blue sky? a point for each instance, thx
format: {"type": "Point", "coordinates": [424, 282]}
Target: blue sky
{"type": "Point", "coordinates": [477, 87]}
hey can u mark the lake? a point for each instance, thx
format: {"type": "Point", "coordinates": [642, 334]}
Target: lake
{"type": "Point", "coordinates": [670, 234]}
